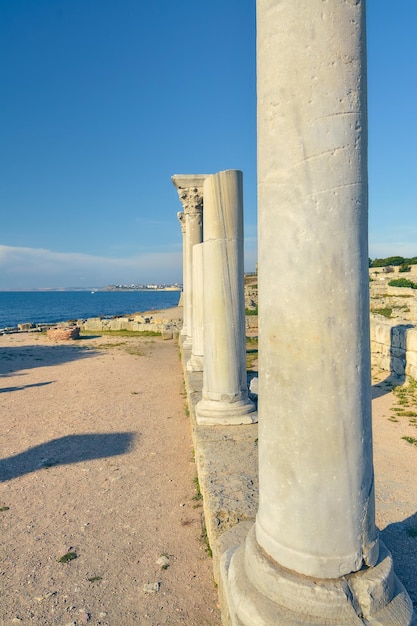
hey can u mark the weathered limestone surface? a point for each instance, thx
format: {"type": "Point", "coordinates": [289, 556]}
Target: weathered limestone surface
{"type": "Point", "coordinates": [313, 214]}
{"type": "Point", "coordinates": [401, 301]}
{"type": "Point", "coordinates": [227, 463]}
{"type": "Point", "coordinates": [189, 187]}
{"type": "Point", "coordinates": [137, 323]}
{"type": "Point", "coordinates": [196, 361]}
{"type": "Point", "coordinates": [181, 219]}
{"type": "Point", "coordinates": [316, 491]}
{"type": "Point", "coordinates": [225, 394]}
{"type": "Point", "coordinates": [394, 347]}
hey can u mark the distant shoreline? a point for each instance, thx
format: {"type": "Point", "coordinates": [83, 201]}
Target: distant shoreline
{"type": "Point", "coordinates": [54, 306]}
{"type": "Point", "coordinates": [87, 289]}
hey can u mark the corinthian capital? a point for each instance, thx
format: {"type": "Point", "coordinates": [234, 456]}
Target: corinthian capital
{"type": "Point", "coordinates": [181, 219]}
{"type": "Point", "coordinates": [190, 192]}
{"type": "Point", "coordinates": [191, 199]}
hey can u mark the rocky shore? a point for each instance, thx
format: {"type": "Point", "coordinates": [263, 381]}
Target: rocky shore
{"type": "Point", "coordinates": [167, 322]}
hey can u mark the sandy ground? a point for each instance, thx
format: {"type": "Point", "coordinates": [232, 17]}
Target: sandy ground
{"type": "Point", "coordinates": [395, 463]}
{"type": "Point", "coordinates": [97, 461]}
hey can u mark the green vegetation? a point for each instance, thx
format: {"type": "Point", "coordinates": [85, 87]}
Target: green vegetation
{"type": "Point", "coordinates": [252, 311]}
{"type": "Point", "coordinates": [4, 508]}
{"type": "Point", "coordinates": [198, 494]}
{"type": "Point", "coordinates": [94, 579]}
{"type": "Point", "coordinates": [411, 440]}
{"type": "Point", "coordinates": [122, 333]}
{"type": "Point", "coordinates": [402, 282]}
{"type": "Point", "coordinates": [393, 260]}
{"type": "Point", "coordinates": [251, 352]}
{"type": "Point", "coordinates": [386, 312]}
{"type": "Point", "coordinates": [69, 556]}
{"type": "Point", "coordinates": [205, 539]}
{"type": "Point", "coordinates": [405, 267]}
{"type": "Point", "coordinates": [128, 347]}
{"type": "Point", "coordinates": [406, 397]}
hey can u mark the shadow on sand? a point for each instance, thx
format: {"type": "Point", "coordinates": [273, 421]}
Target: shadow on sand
{"type": "Point", "coordinates": [15, 358]}
{"type": "Point", "coordinates": [64, 451]}
{"type": "Point", "coordinates": [401, 539]}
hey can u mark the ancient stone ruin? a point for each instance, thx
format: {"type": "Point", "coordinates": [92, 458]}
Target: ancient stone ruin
{"type": "Point", "coordinates": [313, 555]}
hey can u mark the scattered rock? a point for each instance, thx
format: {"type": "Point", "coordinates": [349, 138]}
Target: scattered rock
{"type": "Point", "coordinates": [63, 333]}
{"type": "Point", "coordinates": [151, 587]}
{"type": "Point", "coordinates": [26, 326]}
{"type": "Point", "coordinates": [254, 385]}
{"type": "Point", "coordinates": [84, 616]}
{"type": "Point", "coordinates": [163, 561]}
{"type": "Point", "coordinates": [47, 595]}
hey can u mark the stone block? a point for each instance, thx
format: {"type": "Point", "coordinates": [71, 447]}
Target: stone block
{"type": "Point", "coordinates": [26, 326]}
{"type": "Point", "coordinates": [93, 324]}
{"type": "Point", "coordinates": [411, 370]}
{"type": "Point", "coordinates": [411, 357]}
{"type": "Point", "coordinates": [412, 340]}
{"type": "Point", "coordinates": [383, 333]}
{"type": "Point", "coordinates": [63, 333]}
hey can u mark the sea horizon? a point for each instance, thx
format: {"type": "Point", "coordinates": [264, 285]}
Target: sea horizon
{"type": "Point", "coordinates": [57, 306]}
{"type": "Point", "coordinates": [108, 288]}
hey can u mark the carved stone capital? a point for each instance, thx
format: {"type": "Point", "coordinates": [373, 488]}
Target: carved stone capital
{"type": "Point", "coordinates": [190, 192]}
{"type": "Point", "coordinates": [181, 219]}
{"type": "Point", "coordinates": [191, 200]}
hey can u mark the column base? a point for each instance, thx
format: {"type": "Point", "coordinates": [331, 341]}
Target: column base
{"type": "Point", "coordinates": [225, 413]}
{"type": "Point", "coordinates": [257, 591]}
{"type": "Point", "coordinates": [188, 343]}
{"type": "Point", "coordinates": [195, 363]}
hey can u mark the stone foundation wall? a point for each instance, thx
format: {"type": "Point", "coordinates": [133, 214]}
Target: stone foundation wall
{"type": "Point", "coordinates": [402, 301]}
{"type": "Point", "coordinates": [394, 346]}
{"type": "Point", "coordinates": [137, 323]}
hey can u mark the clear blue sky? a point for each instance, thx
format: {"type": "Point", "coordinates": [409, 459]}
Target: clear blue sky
{"type": "Point", "coordinates": [102, 101]}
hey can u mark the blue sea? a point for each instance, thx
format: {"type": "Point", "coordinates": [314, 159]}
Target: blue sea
{"type": "Point", "coordinates": [17, 307]}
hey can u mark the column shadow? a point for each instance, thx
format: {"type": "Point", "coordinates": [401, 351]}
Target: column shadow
{"type": "Point", "coordinates": [7, 389]}
{"type": "Point", "coordinates": [401, 539]}
{"type": "Point", "coordinates": [65, 451]}
{"type": "Point", "coordinates": [16, 358]}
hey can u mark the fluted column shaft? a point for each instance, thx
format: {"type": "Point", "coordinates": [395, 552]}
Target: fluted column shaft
{"type": "Point", "coordinates": [313, 556]}
{"type": "Point", "coordinates": [196, 361]}
{"type": "Point", "coordinates": [224, 395]}
{"type": "Point", "coordinates": [189, 187]}
{"type": "Point", "coordinates": [316, 511]}
{"type": "Point", "coordinates": [181, 219]}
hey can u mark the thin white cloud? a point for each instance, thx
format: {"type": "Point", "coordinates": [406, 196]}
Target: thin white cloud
{"type": "Point", "coordinates": [382, 249]}
{"type": "Point", "coordinates": [27, 268]}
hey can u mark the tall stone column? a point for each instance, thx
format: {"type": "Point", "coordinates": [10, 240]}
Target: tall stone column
{"type": "Point", "coordinates": [225, 395]}
{"type": "Point", "coordinates": [181, 219]}
{"type": "Point", "coordinates": [313, 556]}
{"type": "Point", "coordinates": [189, 187]}
{"type": "Point", "coordinates": [196, 361]}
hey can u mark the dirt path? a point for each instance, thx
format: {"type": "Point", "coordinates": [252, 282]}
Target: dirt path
{"type": "Point", "coordinates": [97, 461]}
